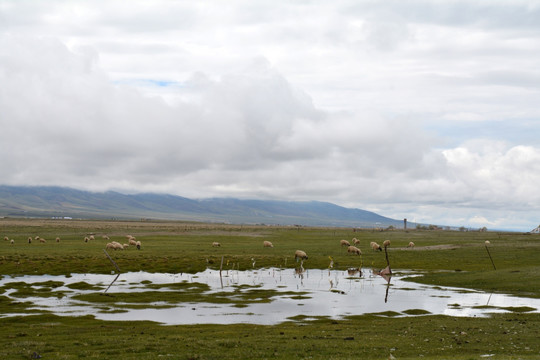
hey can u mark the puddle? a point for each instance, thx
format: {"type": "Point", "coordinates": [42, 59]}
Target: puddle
{"type": "Point", "coordinates": [312, 294]}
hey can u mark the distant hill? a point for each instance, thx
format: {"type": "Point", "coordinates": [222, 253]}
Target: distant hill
{"type": "Point", "coordinates": [21, 201]}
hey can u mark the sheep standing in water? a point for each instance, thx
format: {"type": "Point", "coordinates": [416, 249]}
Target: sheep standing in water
{"type": "Point", "coordinates": [268, 244]}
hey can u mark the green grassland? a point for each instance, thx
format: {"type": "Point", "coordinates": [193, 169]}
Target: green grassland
{"type": "Point", "coordinates": [447, 258]}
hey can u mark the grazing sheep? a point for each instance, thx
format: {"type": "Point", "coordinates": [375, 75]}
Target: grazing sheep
{"type": "Point", "coordinates": [86, 239]}
{"type": "Point", "coordinates": [132, 242]}
{"type": "Point", "coordinates": [138, 245]}
{"type": "Point", "coordinates": [216, 244]}
{"type": "Point", "coordinates": [125, 246]}
{"type": "Point", "coordinates": [57, 239]}
{"type": "Point", "coordinates": [91, 237]}
{"type": "Point", "coordinates": [110, 246]}
{"type": "Point", "coordinates": [29, 239]}
{"type": "Point", "coordinates": [299, 254]}
{"type": "Point", "coordinates": [386, 243]}
{"type": "Point", "coordinates": [6, 238]}
{"type": "Point", "coordinates": [36, 238]}
{"type": "Point", "coordinates": [411, 245]}
{"type": "Point", "coordinates": [268, 244]}
{"type": "Point", "coordinates": [12, 241]}
{"type": "Point", "coordinates": [42, 240]}
{"type": "Point", "coordinates": [355, 241]}
{"type": "Point", "coordinates": [344, 243]}
{"type": "Point", "coordinates": [105, 237]}
{"type": "Point", "coordinates": [487, 242]}
{"type": "Point", "coordinates": [354, 250]}
{"type": "Point", "coordinates": [375, 246]}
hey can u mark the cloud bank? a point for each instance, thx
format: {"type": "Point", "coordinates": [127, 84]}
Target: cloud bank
{"type": "Point", "coordinates": [402, 110]}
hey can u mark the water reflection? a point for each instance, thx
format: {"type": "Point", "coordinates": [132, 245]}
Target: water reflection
{"type": "Point", "coordinates": [329, 292]}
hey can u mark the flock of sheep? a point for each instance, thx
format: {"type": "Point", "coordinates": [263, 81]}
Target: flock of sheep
{"type": "Point", "coordinates": [351, 249]}
{"type": "Point", "coordinates": [132, 241]}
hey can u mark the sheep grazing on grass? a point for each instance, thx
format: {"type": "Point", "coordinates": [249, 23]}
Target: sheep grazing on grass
{"type": "Point", "coordinates": [86, 239]}
{"type": "Point", "coordinates": [110, 245]}
{"type": "Point", "coordinates": [138, 245]}
{"type": "Point", "coordinates": [105, 237]}
{"type": "Point", "coordinates": [299, 254]}
{"type": "Point", "coordinates": [411, 245]}
{"type": "Point", "coordinates": [125, 246]}
{"type": "Point", "coordinates": [57, 239]}
{"type": "Point", "coordinates": [36, 238]}
{"type": "Point", "coordinates": [132, 241]}
{"type": "Point", "coordinates": [42, 240]}
{"type": "Point", "coordinates": [12, 241]}
{"type": "Point", "coordinates": [344, 243]}
{"type": "Point", "coordinates": [354, 250]}
{"type": "Point", "coordinates": [216, 244]}
{"type": "Point", "coordinates": [386, 243]}
{"type": "Point", "coordinates": [487, 242]}
{"type": "Point", "coordinates": [6, 238]}
{"type": "Point", "coordinates": [355, 241]}
{"type": "Point", "coordinates": [268, 244]}
{"type": "Point", "coordinates": [114, 245]}
{"type": "Point", "coordinates": [29, 239]}
{"type": "Point", "coordinates": [375, 246]}
{"type": "Point", "coordinates": [91, 237]}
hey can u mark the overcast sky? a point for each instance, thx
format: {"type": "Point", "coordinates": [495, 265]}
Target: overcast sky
{"type": "Point", "coordinates": [425, 110]}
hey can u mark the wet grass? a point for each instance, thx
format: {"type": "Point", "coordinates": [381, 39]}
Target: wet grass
{"type": "Point", "coordinates": [445, 258]}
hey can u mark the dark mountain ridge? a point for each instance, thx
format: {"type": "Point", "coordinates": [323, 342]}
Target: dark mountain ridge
{"type": "Point", "coordinates": [51, 201]}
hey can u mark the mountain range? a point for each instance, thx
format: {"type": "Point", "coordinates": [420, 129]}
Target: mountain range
{"type": "Point", "coordinates": [61, 202]}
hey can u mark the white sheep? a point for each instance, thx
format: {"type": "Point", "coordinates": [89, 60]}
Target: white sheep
{"type": "Point", "coordinates": [354, 250]}
{"type": "Point", "coordinates": [355, 241]}
{"type": "Point", "coordinates": [375, 246]}
{"type": "Point", "coordinates": [132, 242]}
{"type": "Point", "coordinates": [29, 239]}
{"type": "Point", "coordinates": [105, 237]}
{"type": "Point", "coordinates": [91, 237]}
{"type": "Point", "coordinates": [110, 245]}
{"type": "Point", "coordinates": [411, 245]}
{"type": "Point", "coordinates": [12, 241]}
{"type": "Point", "coordinates": [126, 246]}
{"type": "Point", "coordinates": [138, 245]}
{"type": "Point", "coordinates": [344, 243]}
{"type": "Point", "coordinates": [386, 243]}
{"type": "Point", "coordinates": [299, 254]}
{"type": "Point", "coordinates": [86, 239]}
{"type": "Point", "coordinates": [268, 244]}
{"type": "Point", "coordinates": [57, 239]}
{"type": "Point", "coordinates": [42, 240]}
{"type": "Point", "coordinates": [216, 244]}
{"type": "Point", "coordinates": [6, 238]}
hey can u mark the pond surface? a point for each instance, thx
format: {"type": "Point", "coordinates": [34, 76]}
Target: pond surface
{"type": "Point", "coordinates": [284, 294]}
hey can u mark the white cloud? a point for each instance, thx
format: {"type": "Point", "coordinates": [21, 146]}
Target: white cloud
{"type": "Point", "coordinates": [422, 110]}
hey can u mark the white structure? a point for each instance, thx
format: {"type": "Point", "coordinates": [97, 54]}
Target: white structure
{"type": "Point", "coordinates": [536, 230]}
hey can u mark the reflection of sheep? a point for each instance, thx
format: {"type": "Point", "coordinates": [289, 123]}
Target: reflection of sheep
{"type": "Point", "coordinates": [216, 244]}
{"type": "Point", "coordinates": [375, 246]}
{"type": "Point", "coordinates": [268, 244]}
{"type": "Point", "coordinates": [411, 245]}
{"type": "Point", "coordinates": [299, 254]}
{"type": "Point", "coordinates": [354, 250]}
{"type": "Point", "coordinates": [355, 241]}
{"type": "Point", "coordinates": [344, 243]}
